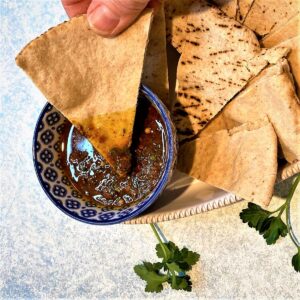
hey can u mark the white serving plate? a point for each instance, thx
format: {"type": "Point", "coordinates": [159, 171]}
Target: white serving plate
{"type": "Point", "coordinates": [185, 196]}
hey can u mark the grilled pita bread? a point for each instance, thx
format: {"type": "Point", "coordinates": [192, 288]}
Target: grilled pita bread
{"type": "Point", "coordinates": [282, 33]}
{"type": "Point", "coordinates": [229, 7]}
{"type": "Point", "coordinates": [242, 160]}
{"type": "Point", "coordinates": [176, 12]}
{"type": "Point", "coordinates": [244, 7]}
{"type": "Point", "coordinates": [155, 72]}
{"type": "Point", "coordinates": [176, 17]}
{"type": "Point", "coordinates": [267, 15]}
{"type": "Point", "coordinates": [270, 95]}
{"type": "Point", "coordinates": [218, 58]}
{"type": "Point", "coordinates": [294, 59]}
{"type": "Point", "coordinates": [93, 81]}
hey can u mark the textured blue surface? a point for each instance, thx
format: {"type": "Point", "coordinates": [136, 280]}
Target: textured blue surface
{"type": "Point", "coordinates": [46, 254]}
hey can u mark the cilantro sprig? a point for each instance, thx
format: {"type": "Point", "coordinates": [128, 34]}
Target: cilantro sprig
{"type": "Point", "coordinates": [270, 224]}
{"type": "Point", "coordinates": [172, 269]}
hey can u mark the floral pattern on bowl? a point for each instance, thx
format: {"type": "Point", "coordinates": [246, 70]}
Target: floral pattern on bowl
{"type": "Point", "coordinates": [57, 186]}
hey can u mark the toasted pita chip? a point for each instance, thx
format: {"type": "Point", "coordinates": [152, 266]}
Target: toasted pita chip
{"type": "Point", "coordinates": [267, 15]}
{"type": "Point", "coordinates": [93, 81]}
{"type": "Point", "coordinates": [176, 12]}
{"type": "Point", "coordinates": [229, 7]}
{"type": "Point", "coordinates": [218, 58]}
{"type": "Point", "coordinates": [270, 95]}
{"type": "Point", "coordinates": [244, 7]}
{"type": "Point", "coordinates": [155, 73]}
{"type": "Point", "coordinates": [282, 33]}
{"type": "Point", "coordinates": [176, 17]}
{"type": "Point", "coordinates": [173, 57]}
{"type": "Point", "coordinates": [242, 160]}
{"type": "Point", "coordinates": [294, 58]}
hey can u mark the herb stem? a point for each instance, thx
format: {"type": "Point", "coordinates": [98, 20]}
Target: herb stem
{"type": "Point", "coordinates": [288, 212]}
{"type": "Point", "coordinates": [280, 208]}
{"type": "Point", "coordinates": [173, 278]}
{"type": "Point", "coordinates": [161, 234]}
{"type": "Point", "coordinates": [159, 239]}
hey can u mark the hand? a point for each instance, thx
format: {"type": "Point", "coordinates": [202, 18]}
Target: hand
{"type": "Point", "coordinates": [107, 17]}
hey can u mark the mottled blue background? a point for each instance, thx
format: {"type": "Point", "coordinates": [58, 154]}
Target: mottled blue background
{"type": "Point", "coordinates": [45, 254]}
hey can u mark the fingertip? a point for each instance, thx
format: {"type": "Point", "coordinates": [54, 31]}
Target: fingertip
{"type": "Point", "coordinates": [75, 7]}
{"type": "Point", "coordinates": [102, 33]}
{"type": "Point", "coordinates": [109, 18]}
{"type": "Point", "coordinates": [102, 19]}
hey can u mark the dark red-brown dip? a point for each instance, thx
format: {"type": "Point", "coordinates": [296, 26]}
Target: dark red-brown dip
{"type": "Point", "coordinates": [94, 178]}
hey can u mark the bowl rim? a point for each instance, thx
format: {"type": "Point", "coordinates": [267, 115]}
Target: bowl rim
{"type": "Point", "coordinates": [152, 197]}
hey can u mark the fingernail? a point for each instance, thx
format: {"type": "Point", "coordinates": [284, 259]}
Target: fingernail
{"type": "Point", "coordinates": [103, 20]}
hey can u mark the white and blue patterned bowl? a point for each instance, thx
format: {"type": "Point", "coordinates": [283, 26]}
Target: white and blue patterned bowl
{"type": "Point", "coordinates": [47, 162]}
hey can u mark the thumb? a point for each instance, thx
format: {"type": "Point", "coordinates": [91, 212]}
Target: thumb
{"type": "Point", "coordinates": [110, 17]}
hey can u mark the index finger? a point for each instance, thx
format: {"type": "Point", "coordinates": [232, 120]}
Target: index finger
{"type": "Point", "coordinates": [76, 7]}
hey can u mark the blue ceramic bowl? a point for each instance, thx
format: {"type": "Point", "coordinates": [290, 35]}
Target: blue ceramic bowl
{"type": "Point", "coordinates": [47, 162]}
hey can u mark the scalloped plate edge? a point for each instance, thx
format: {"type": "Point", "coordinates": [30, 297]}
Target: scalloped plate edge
{"type": "Point", "coordinates": [286, 172]}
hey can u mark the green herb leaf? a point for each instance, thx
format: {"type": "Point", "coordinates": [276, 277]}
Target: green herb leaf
{"type": "Point", "coordinates": [152, 267]}
{"type": "Point", "coordinates": [148, 272]}
{"type": "Point", "coordinates": [255, 216]}
{"type": "Point", "coordinates": [182, 283]}
{"type": "Point", "coordinates": [158, 265]}
{"type": "Point", "coordinates": [296, 261]}
{"type": "Point", "coordinates": [174, 263]}
{"type": "Point", "coordinates": [273, 228]}
{"type": "Point", "coordinates": [189, 257]}
{"type": "Point", "coordinates": [174, 267]}
{"type": "Point", "coordinates": [172, 247]}
{"type": "Point", "coordinates": [162, 251]}
{"type": "Point", "coordinates": [184, 258]}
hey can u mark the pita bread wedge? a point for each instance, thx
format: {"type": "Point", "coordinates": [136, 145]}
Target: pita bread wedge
{"type": "Point", "coordinates": [294, 59]}
{"type": "Point", "coordinates": [244, 7]}
{"type": "Point", "coordinates": [267, 15]}
{"type": "Point", "coordinates": [282, 33]}
{"type": "Point", "coordinates": [229, 7]}
{"type": "Point", "coordinates": [155, 72]}
{"type": "Point", "coordinates": [176, 12]}
{"type": "Point", "coordinates": [93, 81]}
{"type": "Point", "coordinates": [218, 58]}
{"type": "Point", "coordinates": [270, 95]}
{"type": "Point", "coordinates": [242, 160]}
